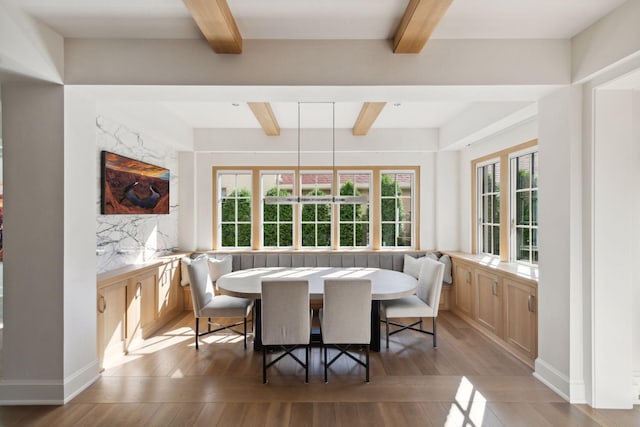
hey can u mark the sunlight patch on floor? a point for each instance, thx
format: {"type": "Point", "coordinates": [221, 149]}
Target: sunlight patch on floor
{"type": "Point", "coordinates": [468, 408]}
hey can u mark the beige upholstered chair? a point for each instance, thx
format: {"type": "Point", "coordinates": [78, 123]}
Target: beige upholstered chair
{"type": "Point", "coordinates": [345, 320]}
{"type": "Point", "coordinates": [286, 321]}
{"type": "Point", "coordinates": [207, 304]}
{"type": "Point", "coordinates": [423, 304]}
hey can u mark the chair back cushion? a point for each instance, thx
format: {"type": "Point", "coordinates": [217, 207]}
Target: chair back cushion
{"type": "Point", "coordinates": [346, 312]}
{"type": "Point", "coordinates": [285, 312]}
{"type": "Point", "coordinates": [430, 283]}
{"type": "Point", "coordinates": [201, 286]}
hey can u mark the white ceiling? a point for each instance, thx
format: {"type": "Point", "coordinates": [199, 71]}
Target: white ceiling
{"type": "Point", "coordinates": [321, 19]}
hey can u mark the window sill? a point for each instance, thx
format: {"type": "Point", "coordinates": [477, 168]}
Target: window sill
{"type": "Point", "coordinates": [524, 271]}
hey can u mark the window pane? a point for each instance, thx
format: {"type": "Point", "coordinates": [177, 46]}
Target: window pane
{"type": "Point", "coordinates": [496, 178]}
{"type": "Point", "coordinates": [496, 208]}
{"type": "Point", "coordinates": [524, 172]}
{"type": "Point", "coordinates": [404, 234]}
{"type": "Point", "coordinates": [535, 170]}
{"type": "Point", "coordinates": [308, 235]}
{"type": "Point", "coordinates": [244, 210]}
{"type": "Point", "coordinates": [346, 235]}
{"type": "Point", "coordinates": [388, 209]}
{"type": "Point", "coordinates": [534, 245]}
{"type": "Point", "coordinates": [496, 239]}
{"type": "Point", "coordinates": [270, 235]}
{"type": "Point", "coordinates": [324, 234]}
{"type": "Point", "coordinates": [534, 207]}
{"type": "Point", "coordinates": [388, 234]}
{"type": "Point", "coordinates": [244, 235]}
{"type": "Point", "coordinates": [522, 208]}
{"type": "Point", "coordinates": [286, 235]}
{"type": "Point", "coordinates": [229, 210]}
{"type": "Point", "coordinates": [228, 235]}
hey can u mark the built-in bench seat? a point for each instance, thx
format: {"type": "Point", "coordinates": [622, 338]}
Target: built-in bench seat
{"type": "Point", "coordinates": [390, 260]}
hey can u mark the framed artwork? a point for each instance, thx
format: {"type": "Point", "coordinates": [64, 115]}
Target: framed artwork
{"type": "Point", "coordinates": [133, 187]}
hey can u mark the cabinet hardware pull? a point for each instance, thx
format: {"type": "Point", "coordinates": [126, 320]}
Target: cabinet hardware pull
{"type": "Point", "coordinates": [104, 305]}
{"type": "Point", "coordinates": [468, 277]}
{"type": "Point", "coordinates": [530, 303]}
{"type": "Point", "coordinates": [494, 288]}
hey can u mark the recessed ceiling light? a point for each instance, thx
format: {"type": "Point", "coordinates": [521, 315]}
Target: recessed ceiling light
{"type": "Point", "coordinates": [235, 104]}
{"type": "Point", "coordinates": [397, 104]}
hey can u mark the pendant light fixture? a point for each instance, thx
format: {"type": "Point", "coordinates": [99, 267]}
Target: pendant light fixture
{"type": "Point", "coordinates": [271, 200]}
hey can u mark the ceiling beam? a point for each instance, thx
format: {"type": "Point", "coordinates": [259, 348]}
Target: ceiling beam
{"type": "Point", "coordinates": [420, 19]}
{"type": "Point", "coordinates": [216, 22]}
{"type": "Point", "coordinates": [264, 114]}
{"type": "Point", "coordinates": [368, 114]}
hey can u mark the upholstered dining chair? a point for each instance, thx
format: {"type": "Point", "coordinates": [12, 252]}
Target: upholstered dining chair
{"type": "Point", "coordinates": [207, 304]}
{"type": "Point", "coordinates": [423, 304]}
{"type": "Point", "coordinates": [345, 320]}
{"type": "Point", "coordinates": [286, 322]}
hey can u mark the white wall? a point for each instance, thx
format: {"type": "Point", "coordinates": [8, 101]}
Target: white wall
{"type": "Point", "coordinates": [33, 240]}
{"type": "Point", "coordinates": [560, 218]}
{"type": "Point", "coordinates": [609, 41]}
{"type": "Point", "coordinates": [80, 364]}
{"type": "Point", "coordinates": [247, 148]}
{"type": "Point", "coordinates": [615, 175]}
{"type": "Point", "coordinates": [635, 328]}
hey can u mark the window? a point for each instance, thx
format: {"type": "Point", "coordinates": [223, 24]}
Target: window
{"type": "Point", "coordinates": [354, 218]}
{"type": "Point", "coordinates": [488, 182]}
{"type": "Point", "coordinates": [396, 190]}
{"type": "Point", "coordinates": [524, 212]}
{"type": "Point", "coordinates": [243, 219]}
{"type": "Point", "coordinates": [235, 209]}
{"type": "Point", "coordinates": [505, 203]}
{"type": "Point", "coordinates": [316, 217]}
{"type": "Point", "coordinates": [277, 220]}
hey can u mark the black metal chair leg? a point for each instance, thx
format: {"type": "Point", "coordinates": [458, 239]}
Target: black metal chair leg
{"type": "Point", "coordinates": [306, 365]}
{"type": "Point", "coordinates": [245, 332]}
{"type": "Point", "coordinates": [264, 364]}
{"type": "Point", "coordinates": [386, 321]}
{"type": "Point", "coordinates": [209, 324]}
{"type": "Point", "coordinates": [325, 363]}
{"type": "Point", "coordinates": [367, 367]}
{"type": "Point", "coordinates": [434, 332]}
{"type": "Point", "coordinates": [197, 327]}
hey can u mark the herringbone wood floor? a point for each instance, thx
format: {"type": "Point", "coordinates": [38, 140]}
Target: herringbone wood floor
{"type": "Point", "coordinates": [466, 381]}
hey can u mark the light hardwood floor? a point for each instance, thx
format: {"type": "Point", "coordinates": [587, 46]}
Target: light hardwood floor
{"type": "Point", "coordinates": [466, 381]}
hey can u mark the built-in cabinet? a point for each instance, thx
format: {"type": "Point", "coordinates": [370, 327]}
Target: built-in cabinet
{"type": "Point", "coordinates": [134, 302]}
{"type": "Point", "coordinates": [499, 302]}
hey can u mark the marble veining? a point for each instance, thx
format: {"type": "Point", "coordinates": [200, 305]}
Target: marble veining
{"type": "Point", "coordinates": [132, 239]}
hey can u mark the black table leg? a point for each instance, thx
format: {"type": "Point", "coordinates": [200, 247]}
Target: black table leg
{"type": "Point", "coordinates": [375, 325]}
{"type": "Point", "coordinates": [257, 325]}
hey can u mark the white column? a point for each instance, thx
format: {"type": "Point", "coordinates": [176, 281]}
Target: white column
{"type": "Point", "coordinates": [615, 177]}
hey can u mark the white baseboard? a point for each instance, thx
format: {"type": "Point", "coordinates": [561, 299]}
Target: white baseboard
{"type": "Point", "coordinates": [81, 379]}
{"type": "Point", "coordinates": [47, 392]}
{"type": "Point", "coordinates": [552, 378]}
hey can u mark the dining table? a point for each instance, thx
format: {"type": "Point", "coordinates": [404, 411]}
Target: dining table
{"type": "Point", "coordinates": [385, 285]}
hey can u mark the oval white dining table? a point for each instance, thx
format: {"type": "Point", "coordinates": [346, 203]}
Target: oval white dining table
{"type": "Point", "coordinates": [385, 284]}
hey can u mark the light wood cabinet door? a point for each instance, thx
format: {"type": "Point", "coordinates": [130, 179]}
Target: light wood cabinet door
{"type": "Point", "coordinates": [488, 302]}
{"type": "Point", "coordinates": [111, 320]}
{"type": "Point", "coordinates": [520, 301]}
{"type": "Point", "coordinates": [168, 289]}
{"type": "Point", "coordinates": [463, 289]}
{"type": "Point", "coordinates": [141, 305]}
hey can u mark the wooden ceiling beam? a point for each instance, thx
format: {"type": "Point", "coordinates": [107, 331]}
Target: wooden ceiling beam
{"type": "Point", "coordinates": [420, 19]}
{"type": "Point", "coordinates": [266, 118]}
{"type": "Point", "coordinates": [216, 22]}
{"type": "Point", "coordinates": [368, 114]}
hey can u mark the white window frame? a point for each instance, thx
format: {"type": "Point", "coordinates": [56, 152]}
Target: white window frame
{"type": "Point", "coordinates": [513, 228]}
{"type": "Point", "coordinates": [481, 223]}
{"type": "Point", "coordinates": [278, 222]}
{"type": "Point", "coordinates": [368, 206]}
{"type": "Point", "coordinates": [397, 222]}
{"type": "Point", "coordinates": [219, 176]}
